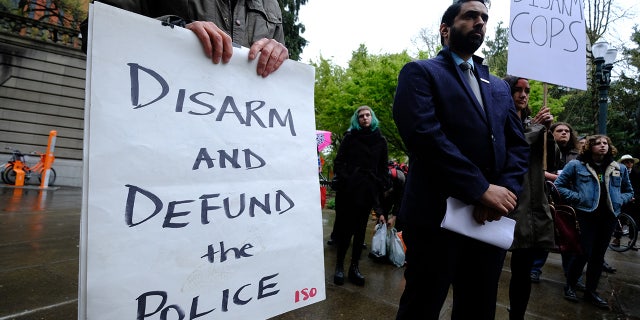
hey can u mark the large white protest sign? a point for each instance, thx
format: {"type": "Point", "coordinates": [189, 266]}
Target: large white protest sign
{"type": "Point", "coordinates": [201, 195]}
{"type": "Point", "coordinates": [547, 42]}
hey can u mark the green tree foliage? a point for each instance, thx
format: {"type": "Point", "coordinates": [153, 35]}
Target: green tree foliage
{"type": "Point", "coordinates": [599, 18]}
{"type": "Point", "coordinates": [578, 113]}
{"type": "Point", "coordinates": [330, 100]}
{"type": "Point", "coordinates": [556, 98]}
{"type": "Point", "coordinates": [633, 54]}
{"type": "Point", "coordinates": [496, 51]}
{"type": "Point", "coordinates": [623, 115]}
{"type": "Point", "coordinates": [292, 28]}
{"type": "Point", "coordinates": [623, 125]}
{"type": "Point", "coordinates": [369, 80]}
{"type": "Point", "coordinates": [8, 6]}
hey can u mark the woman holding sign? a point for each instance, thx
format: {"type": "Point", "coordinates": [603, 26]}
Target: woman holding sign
{"type": "Point", "coordinates": [533, 233]}
{"type": "Point", "coordinates": [361, 169]}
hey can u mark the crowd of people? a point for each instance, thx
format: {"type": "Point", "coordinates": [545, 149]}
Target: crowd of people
{"type": "Point", "coordinates": [500, 158]}
{"type": "Point", "coordinates": [470, 136]}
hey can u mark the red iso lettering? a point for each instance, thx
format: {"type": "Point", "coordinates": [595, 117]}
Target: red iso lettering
{"type": "Point", "coordinates": [305, 294]}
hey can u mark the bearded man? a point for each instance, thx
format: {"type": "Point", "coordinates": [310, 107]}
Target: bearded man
{"type": "Point", "coordinates": [465, 141]}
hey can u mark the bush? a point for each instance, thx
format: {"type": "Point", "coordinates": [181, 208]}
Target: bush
{"type": "Point", "coordinates": [331, 203]}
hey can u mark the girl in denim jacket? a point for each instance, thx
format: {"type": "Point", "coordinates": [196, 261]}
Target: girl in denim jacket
{"type": "Point", "coordinates": [596, 186]}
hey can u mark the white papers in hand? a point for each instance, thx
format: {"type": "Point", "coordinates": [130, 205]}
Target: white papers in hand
{"type": "Point", "coordinates": [459, 218]}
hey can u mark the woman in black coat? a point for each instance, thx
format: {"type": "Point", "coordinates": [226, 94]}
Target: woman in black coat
{"type": "Point", "coordinates": [361, 169]}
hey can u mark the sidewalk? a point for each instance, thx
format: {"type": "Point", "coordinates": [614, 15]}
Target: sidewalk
{"type": "Point", "coordinates": [39, 235]}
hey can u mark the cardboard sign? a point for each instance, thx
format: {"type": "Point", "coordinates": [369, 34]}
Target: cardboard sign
{"type": "Point", "coordinates": [547, 42]}
{"type": "Point", "coordinates": [201, 193]}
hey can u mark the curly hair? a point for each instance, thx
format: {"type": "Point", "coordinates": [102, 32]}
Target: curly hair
{"type": "Point", "coordinates": [591, 141]}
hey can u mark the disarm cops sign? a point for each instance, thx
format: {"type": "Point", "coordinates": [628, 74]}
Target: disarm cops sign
{"type": "Point", "coordinates": [547, 42]}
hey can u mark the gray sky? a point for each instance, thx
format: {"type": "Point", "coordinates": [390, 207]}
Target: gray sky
{"type": "Point", "coordinates": [335, 28]}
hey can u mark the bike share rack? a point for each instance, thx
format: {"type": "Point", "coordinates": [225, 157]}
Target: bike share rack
{"type": "Point", "coordinates": [48, 162]}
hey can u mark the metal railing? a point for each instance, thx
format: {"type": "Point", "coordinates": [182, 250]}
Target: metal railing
{"type": "Point", "coordinates": [40, 31]}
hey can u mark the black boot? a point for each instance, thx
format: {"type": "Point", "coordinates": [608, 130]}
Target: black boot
{"type": "Point", "coordinates": [338, 277]}
{"type": "Point", "coordinates": [607, 268]}
{"type": "Point", "coordinates": [355, 276]}
{"type": "Point", "coordinates": [593, 298]}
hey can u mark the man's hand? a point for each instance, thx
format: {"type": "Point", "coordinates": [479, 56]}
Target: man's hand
{"type": "Point", "coordinates": [215, 42]}
{"type": "Point", "coordinates": [218, 46]}
{"type": "Point", "coordinates": [272, 55]}
{"type": "Point", "coordinates": [497, 201]}
{"type": "Point", "coordinates": [481, 214]}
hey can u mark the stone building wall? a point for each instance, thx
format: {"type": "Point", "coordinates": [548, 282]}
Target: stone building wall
{"type": "Point", "coordinates": [42, 88]}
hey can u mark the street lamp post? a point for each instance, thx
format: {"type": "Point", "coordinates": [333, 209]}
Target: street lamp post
{"type": "Point", "coordinates": [604, 58]}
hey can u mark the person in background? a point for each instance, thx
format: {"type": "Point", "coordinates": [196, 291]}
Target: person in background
{"type": "Point", "coordinates": [361, 165]}
{"type": "Point", "coordinates": [632, 208]}
{"type": "Point", "coordinates": [581, 142]}
{"type": "Point", "coordinates": [566, 149]}
{"type": "Point", "coordinates": [391, 199]}
{"type": "Point", "coordinates": [465, 141]}
{"type": "Point", "coordinates": [597, 187]}
{"type": "Point", "coordinates": [218, 24]}
{"type": "Point", "coordinates": [634, 175]}
{"type": "Point", "coordinates": [534, 225]}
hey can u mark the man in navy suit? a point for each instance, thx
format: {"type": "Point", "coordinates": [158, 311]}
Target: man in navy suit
{"type": "Point", "coordinates": [463, 147]}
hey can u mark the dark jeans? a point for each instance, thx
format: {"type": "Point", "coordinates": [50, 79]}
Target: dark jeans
{"type": "Point", "coordinates": [520, 284]}
{"type": "Point", "coordinates": [351, 222]}
{"type": "Point", "coordinates": [438, 259]}
{"type": "Point", "coordinates": [596, 229]}
{"type": "Point", "coordinates": [539, 259]}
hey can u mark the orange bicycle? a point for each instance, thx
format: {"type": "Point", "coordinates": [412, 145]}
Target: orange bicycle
{"type": "Point", "coordinates": [18, 160]}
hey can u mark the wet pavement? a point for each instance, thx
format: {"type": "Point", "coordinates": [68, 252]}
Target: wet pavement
{"type": "Point", "coordinates": [39, 238]}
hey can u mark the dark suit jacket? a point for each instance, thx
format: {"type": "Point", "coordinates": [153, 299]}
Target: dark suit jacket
{"type": "Point", "coordinates": [456, 148]}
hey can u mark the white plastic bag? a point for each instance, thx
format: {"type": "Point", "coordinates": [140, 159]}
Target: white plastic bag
{"type": "Point", "coordinates": [379, 242]}
{"type": "Point", "coordinates": [395, 248]}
